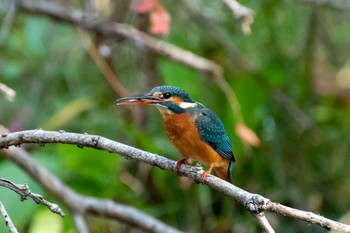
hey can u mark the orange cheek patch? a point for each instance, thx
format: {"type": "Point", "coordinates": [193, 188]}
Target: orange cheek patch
{"type": "Point", "coordinates": [176, 100]}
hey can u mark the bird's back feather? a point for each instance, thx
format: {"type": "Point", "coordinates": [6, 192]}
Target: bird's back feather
{"type": "Point", "coordinates": [212, 131]}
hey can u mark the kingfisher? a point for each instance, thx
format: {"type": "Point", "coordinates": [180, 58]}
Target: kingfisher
{"type": "Point", "coordinates": [196, 131]}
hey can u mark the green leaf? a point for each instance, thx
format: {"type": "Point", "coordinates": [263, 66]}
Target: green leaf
{"type": "Point", "coordinates": [36, 28]}
{"type": "Point", "coordinates": [44, 221]}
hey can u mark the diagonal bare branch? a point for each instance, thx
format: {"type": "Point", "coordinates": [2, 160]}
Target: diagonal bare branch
{"type": "Point", "coordinates": [254, 203]}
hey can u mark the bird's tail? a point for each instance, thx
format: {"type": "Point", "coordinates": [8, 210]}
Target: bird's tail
{"type": "Point", "coordinates": [224, 172]}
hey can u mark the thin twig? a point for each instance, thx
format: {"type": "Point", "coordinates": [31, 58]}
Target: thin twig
{"type": "Point", "coordinates": [8, 92]}
{"type": "Point", "coordinates": [12, 228]}
{"type": "Point", "coordinates": [24, 192]}
{"type": "Point", "coordinates": [238, 9]}
{"type": "Point", "coordinates": [252, 202]}
{"type": "Point", "coordinates": [264, 224]}
{"type": "Point", "coordinates": [80, 223]}
{"type": "Point", "coordinates": [102, 64]}
{"type": "Point", "coordinates": [308, 217]}
{"type": "Point", "coordinates": [244, 14]}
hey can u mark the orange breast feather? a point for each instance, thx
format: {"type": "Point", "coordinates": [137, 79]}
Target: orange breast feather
{"type": "Point", "coordinates": [184, 134]}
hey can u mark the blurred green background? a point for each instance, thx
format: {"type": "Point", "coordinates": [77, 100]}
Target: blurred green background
{"type": "Point", "coordinates": [291, 76]}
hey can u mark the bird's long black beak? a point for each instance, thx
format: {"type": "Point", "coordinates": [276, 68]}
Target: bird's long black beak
{"type": "Point", "coordinates": [139, 100]}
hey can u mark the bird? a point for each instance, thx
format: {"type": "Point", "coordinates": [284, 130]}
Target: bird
{"type": "Point", "coordinates": [196, 131]}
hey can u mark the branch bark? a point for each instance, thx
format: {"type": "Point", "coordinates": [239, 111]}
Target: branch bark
{"type": "Point", "coordinates": [7, 219]}
{"type": "Point", "coordinates": [254, 203]}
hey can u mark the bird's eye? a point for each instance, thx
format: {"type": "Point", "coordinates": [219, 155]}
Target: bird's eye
{"type": "Point", "coordinates": [166, 95]}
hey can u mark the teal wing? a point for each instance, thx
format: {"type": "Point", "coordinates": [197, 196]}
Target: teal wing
{"type": "Point", "coordinates": [212, 131]}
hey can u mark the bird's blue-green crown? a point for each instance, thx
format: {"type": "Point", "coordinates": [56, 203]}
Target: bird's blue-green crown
{"type": "Point", "coordinates": [172, 91]}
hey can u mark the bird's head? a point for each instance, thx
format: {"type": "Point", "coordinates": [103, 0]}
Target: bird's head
{"type": "Point", "coordinates": [168, 99]}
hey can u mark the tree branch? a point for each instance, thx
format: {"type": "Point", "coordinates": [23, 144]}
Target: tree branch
{"type": "Point", "coordinates": [79, 204]}
{"type": "Point", "coordinates": [244, 14]}
{"type": "Point", "coordinates": [7, 219]}
{"type": "Point", "coordinates": [77, 17]}
{"type": "Point", "coordinates": [252, 202]}
{"type": "Point", "coordinates": [8, 92]}
{"type": "Point", "coordinates": [80, 223]}
{"type": "Point", "coordinates": [265, 225]}
{"type": "Point", "coordinates": [238, 9]}
{"type": "Point", "coordinates": [24, 192]}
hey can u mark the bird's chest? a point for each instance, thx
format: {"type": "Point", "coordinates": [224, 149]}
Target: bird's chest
{"type": "Point", "coordinates": [184, 134]}
{"type": "Point", "coordinates": [179, 127]}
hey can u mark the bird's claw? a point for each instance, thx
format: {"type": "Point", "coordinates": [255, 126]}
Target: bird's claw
{"type": "Point", "coordinates": [204, 176]}
{"type": "Point", "coordinates": [178, 165]}
{"type": "Point", "coordinates": [206, 173]}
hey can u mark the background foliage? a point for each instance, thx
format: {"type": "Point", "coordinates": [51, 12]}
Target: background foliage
{"type": "Point", "coordinates": [291, 77]}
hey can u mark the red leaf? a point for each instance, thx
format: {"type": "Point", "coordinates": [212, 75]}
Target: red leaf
{"type": "Point", "coordinates": [160, 20]}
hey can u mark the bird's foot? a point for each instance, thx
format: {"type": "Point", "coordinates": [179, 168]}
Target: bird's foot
{"type": "Point", "coordinates": [178, 165]}
{"type": "Point", "coordinates": [204, 176]}
{"type": "Point", "coordinates": [206, 173]}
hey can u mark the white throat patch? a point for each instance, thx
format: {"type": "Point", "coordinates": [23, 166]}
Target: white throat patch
{"type": "Point", "coordinates": [163, 109]}
{"type": "Point", "coordinates": [187, 105]}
